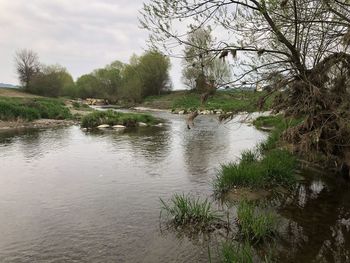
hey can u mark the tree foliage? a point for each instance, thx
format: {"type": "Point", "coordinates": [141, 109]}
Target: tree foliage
{"type": "Point", "coordinates": [201, 65]}
{"type": "Point", "coordinates": [304, 41]}
{"type": "Point", "coordinates": [51, 81]}
{"type": "Point", "coordinates": [146, 75]}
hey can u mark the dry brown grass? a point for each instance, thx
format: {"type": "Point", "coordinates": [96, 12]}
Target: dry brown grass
{"type": "Point", "coordinates": [4, 92]}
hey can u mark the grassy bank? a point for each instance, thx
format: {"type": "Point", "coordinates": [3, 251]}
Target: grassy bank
{"type": "Point", "coordinates": [224, 100]}
{"type": "Point", "coordinates": [111, 118]}
{"type": "Point", "coordinates": [275, 168]}
{"type": "Point", "coordinates": [266, 167]}
{"type": "Point", "coordinates": [28, 109]}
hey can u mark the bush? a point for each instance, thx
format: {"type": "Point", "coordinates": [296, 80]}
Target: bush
{"type": "Point", "coordinates": [186, 210]}
{"type": "Point", "coordinates": [110, 117]}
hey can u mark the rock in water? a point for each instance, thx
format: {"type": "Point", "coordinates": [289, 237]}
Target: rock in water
{"type": "Point", "coordinates": [103, 126]}
{"type": "Point", "coordinates": [142, 124]}
{"type": "Point", "coordinates": [119, 127]}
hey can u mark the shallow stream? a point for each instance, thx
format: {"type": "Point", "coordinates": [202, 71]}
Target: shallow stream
{"type": "Point", "coordinates": [73, 196]}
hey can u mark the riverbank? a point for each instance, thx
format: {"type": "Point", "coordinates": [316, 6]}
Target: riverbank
{"type": "Point", "coordinates": [221, 101]}
{"type": "Point", "coordinates": [36, 124]}
{"type": "Point", "coordinates": [20, 110]}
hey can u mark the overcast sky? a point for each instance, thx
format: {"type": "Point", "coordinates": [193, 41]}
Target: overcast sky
{"type": "Point", "coordinates": [81, 35]}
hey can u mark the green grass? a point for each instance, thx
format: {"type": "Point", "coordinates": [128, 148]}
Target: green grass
{"type": "Point", "coordinates": [80, 106]}
{"type": "Point", "coordinates": [279, 124]}
{"type": "Point", "coordinates": [236, 253]}
{"type": "Point", "coordinates": [255, 225]}
{"type": "Point", "coordinates": [31, 109]}
{"type": "Point", "coordinates": [185, 210]}
{"type": "Point", "coordinates": [110, 117]}
{"type": "Point", "coordinates": [225, 100]}
{"type": "Point", "coordinates": [277, 167]}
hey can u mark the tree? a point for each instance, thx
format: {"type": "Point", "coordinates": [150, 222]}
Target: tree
{"type": "Point", "coordinates": [132, 82]}
{"type": "Point", "coordinates": [88, 86]}
{"type": "Point", "coordinates": [27, 65]}
{"type": "Point", "coordinates": [52, 81]}
{"type": "Point", "coordinates": [200, 64]}
{"type": "Point", "coordinates": [146, 75]}
{"type": "Point", "coordinates": [110, 81]}
{"type": "Point", "coordinates": [153, 69]}
{"type": "Point", "coordinates": [197, 61]}
{"type": "Point", "coordinates": [303, 40]}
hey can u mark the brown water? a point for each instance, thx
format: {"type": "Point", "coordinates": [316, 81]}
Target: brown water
{"type": "Point", "coordinates": [70, 196]}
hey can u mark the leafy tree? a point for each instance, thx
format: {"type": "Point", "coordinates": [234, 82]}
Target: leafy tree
{"type": "Point", "coordinates": [153, 69]}
{"type": "Point", "coordinates": [197, 60]}
{"type": "Point", "coordinates": [88, 86]}
{"type": "Point", "coordinates": [132, 83]}
{"type": "Point", "coordinates": [110, 81]}
{"type": "Point", "coordinates": [51, 81]}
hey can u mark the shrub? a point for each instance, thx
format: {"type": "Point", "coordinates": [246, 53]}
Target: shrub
{"type": "Point", "coordinates": [110, 117]}
{"type": "Point", "coordinates": [186, 210]}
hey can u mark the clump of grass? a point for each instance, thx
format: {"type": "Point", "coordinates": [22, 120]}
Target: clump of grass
{"type": "Point", "coordinates": [32, 109]}
{"type": "Point", "coordinates": [185, 210]}
{"type": "Point", "coordinates": [110, 117]}
{"type": "Point", "coordinates": [249, 156]}
{"type": "Point", "coordinates": [255, 225]}
{"type": "Point", "coordinates": [236, 253]}
{"type": "Point", "coordinates": [275, 168]}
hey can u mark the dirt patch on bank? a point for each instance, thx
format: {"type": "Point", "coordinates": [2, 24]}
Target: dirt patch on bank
{"type": "Point", "coordinates": [4, 92]}
{"type": "Point", "coordinates": [40, 124]}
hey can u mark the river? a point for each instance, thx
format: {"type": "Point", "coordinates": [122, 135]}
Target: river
{"type": "Point", "coordinates": [72, 196]}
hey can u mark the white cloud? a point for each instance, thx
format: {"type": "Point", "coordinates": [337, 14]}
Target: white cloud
{"type": "Point", "coordinates": [79, 34]}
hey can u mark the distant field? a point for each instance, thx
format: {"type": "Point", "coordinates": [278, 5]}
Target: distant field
{"type": "Point", "coordinates": [8, 92]}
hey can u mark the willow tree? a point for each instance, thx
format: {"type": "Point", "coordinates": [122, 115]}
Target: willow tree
{"type": "Point", "coordinates": [202, 71]}
{"type": "Point", "coordinates": [305, 41]}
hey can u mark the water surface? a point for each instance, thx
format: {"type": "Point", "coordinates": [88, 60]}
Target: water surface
{"type": "Point", "coordinates": [71, 196]}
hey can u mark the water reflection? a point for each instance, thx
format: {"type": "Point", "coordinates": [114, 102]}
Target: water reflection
{"type": "Point", "coordinates": [152, 143]}
{"type": "Point", "coordinates": [33, 143]}
{"type": "Point", "coordinates": [317, 214]}
{"type": "Point", "coordinates": [66, 195]}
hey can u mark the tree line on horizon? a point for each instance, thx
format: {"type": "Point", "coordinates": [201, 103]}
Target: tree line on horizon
{"type": "Point", "coordinates": [143, 76]}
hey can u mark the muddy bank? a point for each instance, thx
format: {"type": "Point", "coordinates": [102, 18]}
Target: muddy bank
{"type": "Point", "coordinates": [40, 124]}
